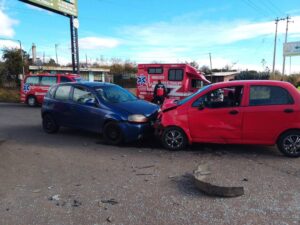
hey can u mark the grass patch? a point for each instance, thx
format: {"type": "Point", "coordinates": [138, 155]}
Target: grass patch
{"type": "Point", "coordinates": [9, 95]}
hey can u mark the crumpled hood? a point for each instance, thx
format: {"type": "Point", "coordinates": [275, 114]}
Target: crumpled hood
{"type": "Point", "coordinates": [138, 107]}
{"type": "Point", "coordinates": [168, 104]}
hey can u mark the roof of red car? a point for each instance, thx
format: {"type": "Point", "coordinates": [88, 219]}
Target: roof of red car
{"type": "Point", "coordinates": [259, 82]}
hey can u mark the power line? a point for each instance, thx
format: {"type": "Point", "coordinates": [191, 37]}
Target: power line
{"type": "Point", "coordinates": [274, 6]}
{"type": "Point", "coordinates": [254, 6]}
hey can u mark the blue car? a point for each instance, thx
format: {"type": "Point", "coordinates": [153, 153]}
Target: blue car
{"type": "Point", "coordinates": [98, 107]}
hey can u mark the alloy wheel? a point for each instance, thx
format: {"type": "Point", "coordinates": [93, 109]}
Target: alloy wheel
{"type": "Point", "coordinates": [291, 144]}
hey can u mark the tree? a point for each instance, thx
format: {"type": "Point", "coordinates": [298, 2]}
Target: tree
{"type": "Point", "coordinates": [13, 65]}
{"type": "Point", "coordinates": [194, 64]}
{"type": "Point", "coordinates": [252, 75]}
{"type": "Point", "coordinates": [51, 63]}
{"type": "Point", "coordinates": [205, 69]}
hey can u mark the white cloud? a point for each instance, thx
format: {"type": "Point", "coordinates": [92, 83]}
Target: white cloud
{"type": "Point", "coordinates": [6, 25]}
{"type": "Point", "coordinates": [95, 43]}
{"type": "Point", "coordinates": [201, 34]}
{"type": "Point", "coordinates": [9, 44]}
{"type": "Point", "coordinates": [186, 40]}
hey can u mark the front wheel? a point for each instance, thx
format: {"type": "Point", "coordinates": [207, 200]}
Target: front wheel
{"type": "Point", "coordinates": [174, 138]}
{"type": "Point", "coordinates": [112, 133]}
{"type": "Point", "coordinates": [49, 124]}
{"type": "Point", "coordinates": [289, 143]}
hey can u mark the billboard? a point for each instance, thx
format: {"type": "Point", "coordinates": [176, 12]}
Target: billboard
{"type": "Point", "coordinates": [64, 7]}
{"type": "Point", "coordinates": [291, 48]}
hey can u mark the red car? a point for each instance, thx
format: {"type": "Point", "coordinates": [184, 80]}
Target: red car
{"type": "Point", "coordinates": [35, 87]}
{"type": "Point", "coordinates": [236, 112]}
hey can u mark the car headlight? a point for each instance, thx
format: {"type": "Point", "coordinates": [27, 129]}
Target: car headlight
{"type": "Point", "coordinates": [137, 118]}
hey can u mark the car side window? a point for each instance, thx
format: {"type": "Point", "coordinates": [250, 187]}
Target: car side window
{"type": "Point", "coordinates": [34, 80]}
{"type": "Point", "coordinates": [221, 98]}
{"type": "Point", "coordinates": [51, 92]}
{"type": "Point", "coordinates": [175, 75]}
{"type": "Point", "coordinates": [65, 79]}
{"type": "Point", "coordinates": [269, 95]}
{"type": "Point", "coordinates": [48, 81]}
{"type": "Point", "coordinates": [62, 93]}
{"type": "Point", "coordinates": [83, 96]}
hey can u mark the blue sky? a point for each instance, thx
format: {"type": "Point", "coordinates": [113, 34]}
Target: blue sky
{"type": "Point", "coordinates": [238, 33]}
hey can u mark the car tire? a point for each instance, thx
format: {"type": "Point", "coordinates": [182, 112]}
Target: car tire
{"type": "Point", "coordinates": [289, 143]}
{"type": "Point", "coordinates": [174, 139]}
{"type": "Point", "coordinates": [112, 133]}
{"type": "Point", "coordinates": [50, 126]}
{"type": "Point", "coordinates": [31, 101]}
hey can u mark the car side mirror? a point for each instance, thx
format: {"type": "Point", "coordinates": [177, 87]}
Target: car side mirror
{"type": "Point", "coordinates": [92, 103]}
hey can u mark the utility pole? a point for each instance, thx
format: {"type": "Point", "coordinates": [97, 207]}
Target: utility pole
{"type": "Point", "coordinates": [56, 45]}
{"type": "Point", "coordinates": [275, 42]}
{"type": "Point", "coordinates": [211, 75]}
{"type": "Point", "coordinates": [286, 35]}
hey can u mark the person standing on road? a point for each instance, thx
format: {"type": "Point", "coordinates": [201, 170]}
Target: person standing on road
{"type": "Point", "coordinates": [160, 92]}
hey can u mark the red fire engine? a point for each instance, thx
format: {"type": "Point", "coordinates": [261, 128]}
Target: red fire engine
{"type": "Point", "coordinates": [180, 80]}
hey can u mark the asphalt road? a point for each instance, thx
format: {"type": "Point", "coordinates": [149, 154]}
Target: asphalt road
{"type": "Point", "coordinates": [72, 178]}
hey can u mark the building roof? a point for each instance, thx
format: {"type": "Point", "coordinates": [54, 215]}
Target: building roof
{"type": "Point", "coordinates": [67, 69]}
{"type": "Point", "coordinates": [223, 74]}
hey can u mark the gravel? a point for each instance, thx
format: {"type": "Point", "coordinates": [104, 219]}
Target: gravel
{"type": "Point", "coordinates": [98, 184]}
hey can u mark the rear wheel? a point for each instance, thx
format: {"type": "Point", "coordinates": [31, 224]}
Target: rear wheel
{"type": "Point", "coordinates": [289, 143]}
{"type": "Point", "coordinates": [174, 138]}
{"type": "Point", "coordinates": [112, 133]}
{"type": "Point", "coordinates": [31, 101]}
{"type": "Point", "coordinates": [49, 124]}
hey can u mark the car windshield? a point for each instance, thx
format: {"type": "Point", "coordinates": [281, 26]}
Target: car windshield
{"type": "Point", "coordinates": [115, 94]}
{"type": "Point", "coordinates": [185, 100]}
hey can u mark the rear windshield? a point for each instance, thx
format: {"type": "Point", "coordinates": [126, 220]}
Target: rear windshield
{"type": "Point", "coordinates": [114, 94]}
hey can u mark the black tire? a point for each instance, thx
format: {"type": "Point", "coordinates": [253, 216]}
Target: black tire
{"type": "Point", "coordinates": [31, 101]}
{"type": "Point", "coordinates": [112, 133]}
{"type": "Point", "coordinates": [289, 143]}
{"type": "Point", "coordinates": [174, 139]}
{"type": "Point", "coordinates": [50, 126]}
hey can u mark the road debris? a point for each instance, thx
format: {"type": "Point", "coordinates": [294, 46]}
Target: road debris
{"type": "Point", "coordinates": [111, 201]}
{"type": "Point", "coordinates": [144, 174]}
{"type": "Point", "coordinates": [54, 197]}
{"type": "Point", "coordinates": [109, 219]}
{"type": "Point", "coordinates": [102, 205]}
{"type": "Point", "coordinates": [36, 191]}
{"type": "Point", "coordinates": [145, 167]}
{"type": "Point", "coordinates": [76, 203]}
{"type": "Point", "coordinates": [205, 182]}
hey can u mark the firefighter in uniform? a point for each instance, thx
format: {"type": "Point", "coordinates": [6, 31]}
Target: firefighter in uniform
{"type": "Point", "coordinates": [160, 92]}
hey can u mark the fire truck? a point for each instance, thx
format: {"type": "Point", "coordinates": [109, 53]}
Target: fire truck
{"type": "Point", "coordinates": [180, 80]}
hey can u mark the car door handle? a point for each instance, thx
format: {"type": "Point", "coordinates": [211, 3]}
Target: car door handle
{"type": "Point", "coordinates": [288, 110]}
{"type": "Point", "coordinates": [233, 112]}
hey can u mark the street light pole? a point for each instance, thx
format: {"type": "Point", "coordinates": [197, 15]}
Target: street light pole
{"type": "Point", "coordinates": [56, 45]}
